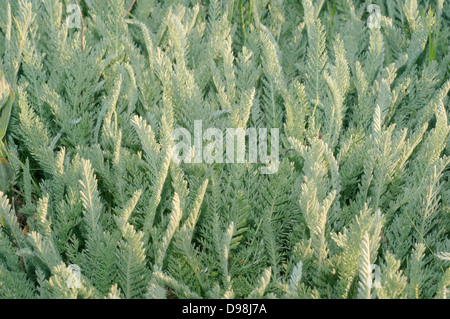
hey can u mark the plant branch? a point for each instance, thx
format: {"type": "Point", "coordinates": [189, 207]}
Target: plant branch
{"type": "Point", "coordinates": [130, 8]}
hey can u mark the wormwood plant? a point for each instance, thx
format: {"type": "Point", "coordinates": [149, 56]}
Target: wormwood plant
{"type": "Point", "coordinates": [359, 207]}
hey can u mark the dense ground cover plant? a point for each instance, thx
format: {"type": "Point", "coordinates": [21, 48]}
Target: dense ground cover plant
{"type": "Point", "coordinates": [359, 206]}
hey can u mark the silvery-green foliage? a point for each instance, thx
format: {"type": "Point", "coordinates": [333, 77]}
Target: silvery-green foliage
{"type": "Point", "coordinates": [359, 206]}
